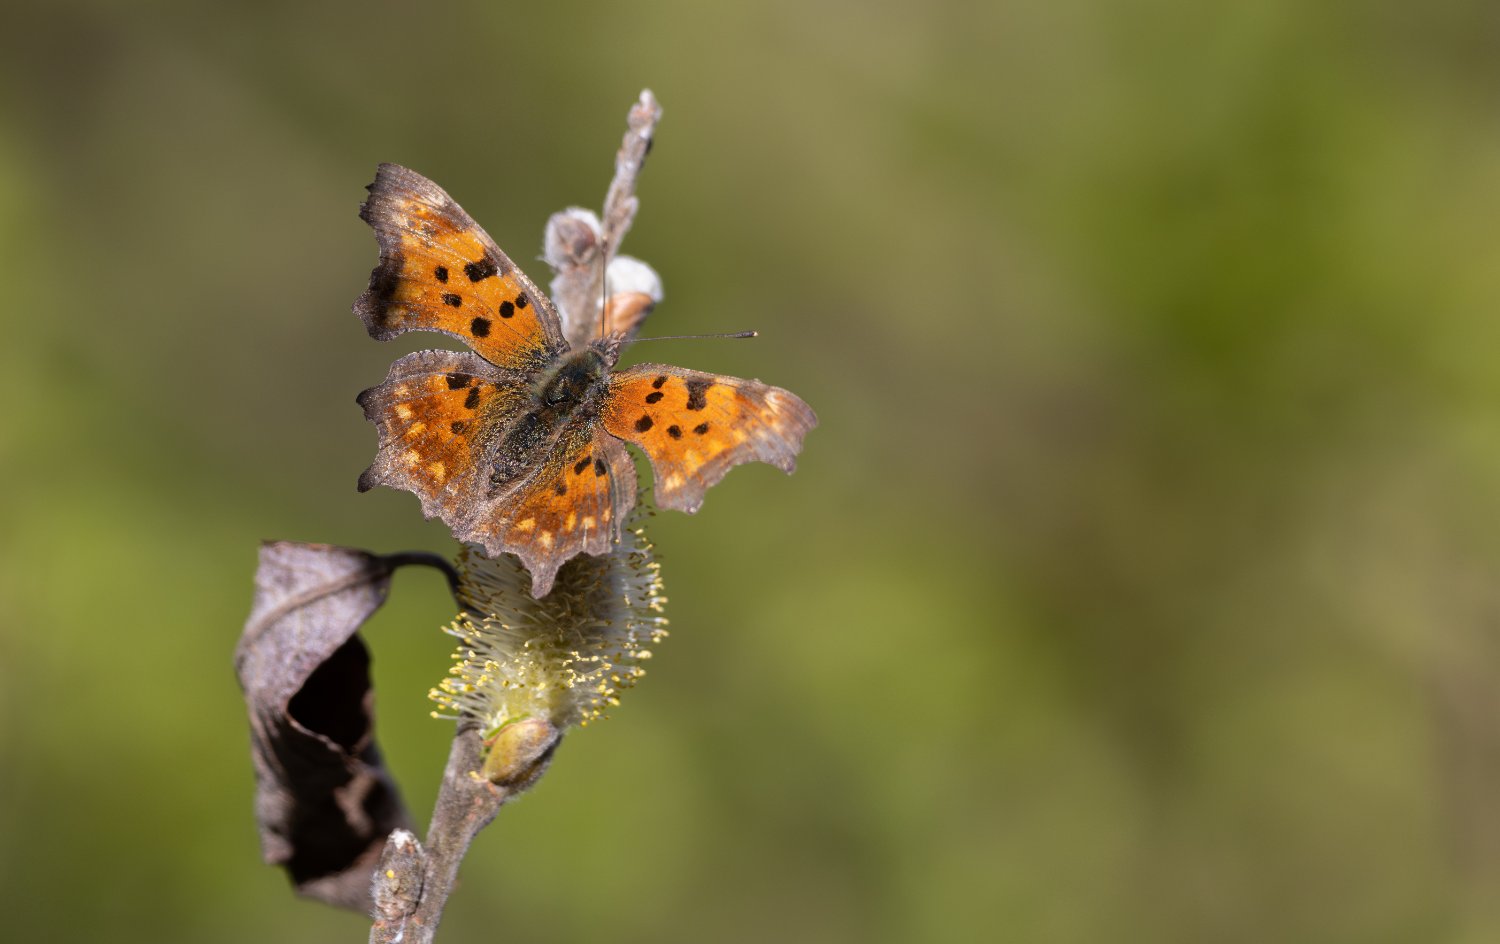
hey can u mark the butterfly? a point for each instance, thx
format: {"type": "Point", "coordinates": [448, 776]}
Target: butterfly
{"type": "Point", "coordinates": [518, 444]}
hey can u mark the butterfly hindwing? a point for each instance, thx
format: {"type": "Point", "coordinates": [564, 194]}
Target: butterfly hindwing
{"type": "Point", "coordinates": [439, 271]}
{"type": "Point", "coordinates": [574, 502]}
{"type": "Point", "coordinates": [432, 413]}
{"type": "Point", "coordinates": [695, 427]}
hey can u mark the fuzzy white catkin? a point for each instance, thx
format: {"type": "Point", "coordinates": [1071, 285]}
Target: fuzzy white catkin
{"type": "Point", "coordinates": [565, 658]}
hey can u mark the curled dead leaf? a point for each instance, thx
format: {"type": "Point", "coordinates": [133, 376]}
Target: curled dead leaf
{"type": "Point", "coordinates": [324, 801]}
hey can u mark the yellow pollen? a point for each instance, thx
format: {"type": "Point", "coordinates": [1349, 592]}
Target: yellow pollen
{"type": "Point", "coordinates": [572, 520]}
{"type": "Point", "coordinates": [415, 430]}
{"type": "Point", "coordinates": [526, 524]}
{"type": "Point", "coordinates": [439, 471]}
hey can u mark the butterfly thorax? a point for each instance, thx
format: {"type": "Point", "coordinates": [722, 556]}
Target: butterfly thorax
{"type": "Point", "coordinates": [578, 378]}
{"type": "Point", "coordinates": [567, 396]}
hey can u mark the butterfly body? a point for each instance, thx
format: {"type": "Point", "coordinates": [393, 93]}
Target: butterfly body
{"type": "Point", "coordinates": [518, 445]}
{"type": "Point", "coordinates": [569, 393]}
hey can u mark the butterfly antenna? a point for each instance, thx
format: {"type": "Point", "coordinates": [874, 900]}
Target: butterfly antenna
{"type": "Point", "coordinates": [603, 284]}
{"type": "Point", "coordinates": [696, 337]}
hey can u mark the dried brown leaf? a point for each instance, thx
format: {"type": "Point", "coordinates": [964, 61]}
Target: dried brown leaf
{"type": "Point", "coordinates": [324, 802]}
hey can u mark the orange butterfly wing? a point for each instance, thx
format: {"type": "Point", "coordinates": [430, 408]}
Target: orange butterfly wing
{"type": "Point", "coordinates": [695, 427]}
{"type": "Point", "coordinates": [432, 414]}
{"type": "Point", "coordinates": [439, 271]}
{"type": "Point", "coordinates": [575, 501]}
{"type": "Point", "coordinates": [439, 415]}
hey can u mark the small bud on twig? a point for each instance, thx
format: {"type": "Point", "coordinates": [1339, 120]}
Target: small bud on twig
{"type": "Point", "coordinates": [519, 753]}
{"type": "Point", "coordinates": [396, 886]}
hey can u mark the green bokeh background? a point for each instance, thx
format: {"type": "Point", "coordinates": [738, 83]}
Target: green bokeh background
{"type": "Point", "coordinates": [1138, 585]}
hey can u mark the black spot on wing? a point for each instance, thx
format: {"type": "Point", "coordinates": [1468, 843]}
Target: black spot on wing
{"type": "Point", "coordinates": [582, 465]}
{"type": "Point", "coordinates": [441, 272]}
{"type": "Point", "coordinates": [480, 327]}
{"type": "Point", "coordinates": [451, 299]}
{"type": "Point", "coordinates": [600, 468]}
{"type": "Point", "coordinates": [701, 428]}
{"type": "Point", "coordinates": [674, 431]}
{"type": "Point", "coordinates": [657, 383]}
{"type": "Point", "coordinates": [507, 309]}
{"type": "Point", "coordinates": [643, 424]}
{"type": "Point", "coordinates": [481, 270]}
{"type": "Point", "coordinates": [472, 400]}
{"type": "Point", "coordinates": [458, 381]}
{"type": "Point", "coordinates": [654, 397]}
{"type": "Point", "coordinates": [521, 300]}
{"type": "Point", "coordinates": [696, 390]}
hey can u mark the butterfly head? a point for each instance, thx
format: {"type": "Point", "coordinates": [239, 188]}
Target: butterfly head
{"type": "Point", "coordinates": [608, 347]}
{"type": "Point", "coordinates": [581, 375]}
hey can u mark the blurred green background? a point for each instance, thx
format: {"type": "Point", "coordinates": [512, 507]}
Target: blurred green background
{"type": "Point", "coordinates": [1138, 585]}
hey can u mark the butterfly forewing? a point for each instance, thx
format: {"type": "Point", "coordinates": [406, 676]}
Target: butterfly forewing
{"type": "Point", "coordinates": [439, 271]}
{"type": "Point", "coordinates": [695, 427]}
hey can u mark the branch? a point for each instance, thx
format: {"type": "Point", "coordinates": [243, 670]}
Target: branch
{"type": "Point", "coordinates": [581, 246]}
{"type": "Point", "coordinates": [620, 202]}
{"type": "Point", "coordinates": [412, 884]}
{"type": "Point", "coordinates": [411, 888]}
